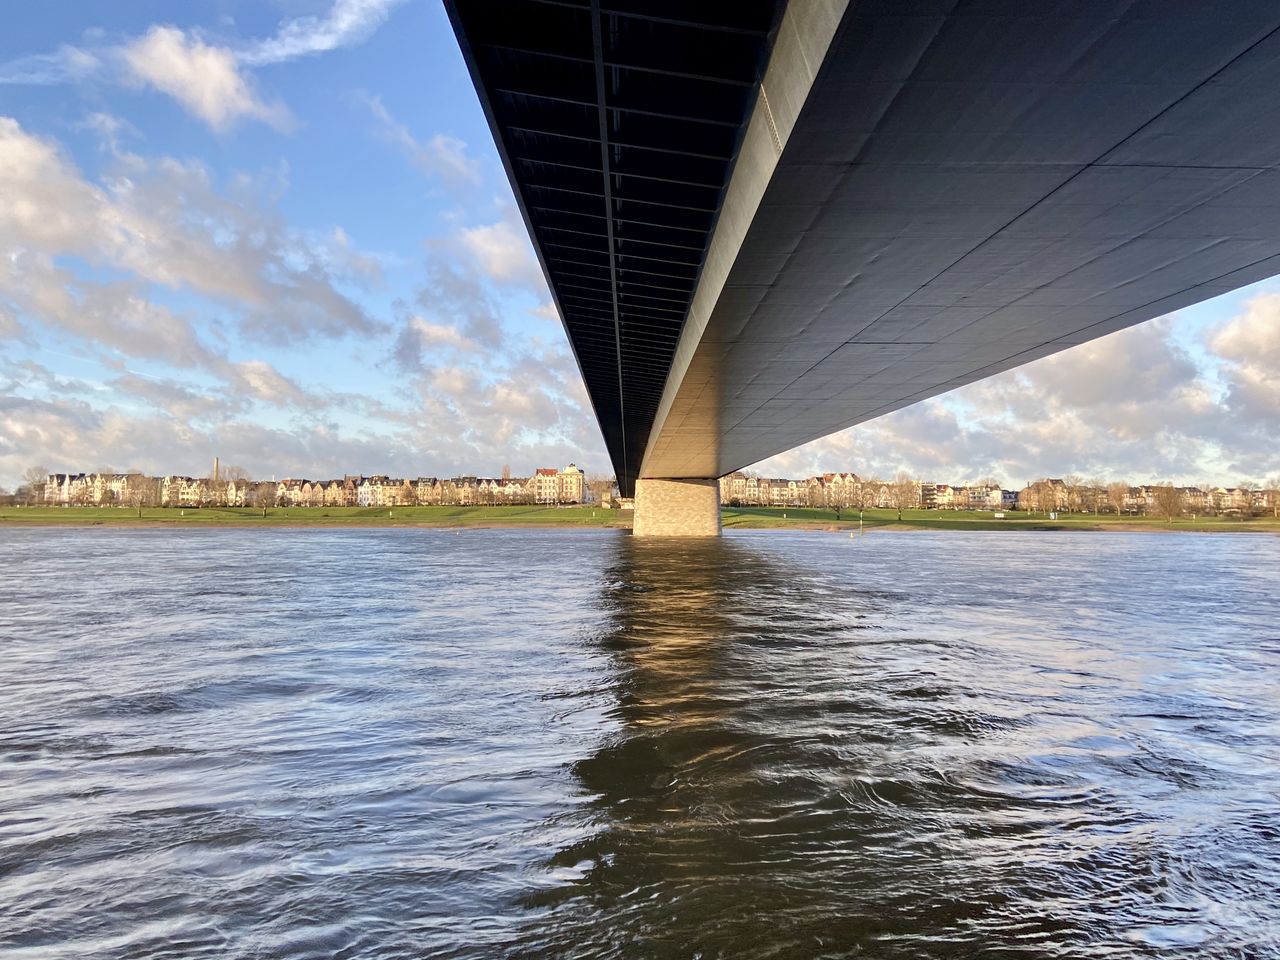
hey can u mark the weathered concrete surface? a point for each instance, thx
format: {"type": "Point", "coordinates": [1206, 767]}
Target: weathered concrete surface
{"type": "Point", "coordinates": [677, 508]}
{"type": "Point", "coordinates": [968, 187]}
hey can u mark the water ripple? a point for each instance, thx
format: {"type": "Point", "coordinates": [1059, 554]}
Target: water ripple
{"type": "Point", "coordinates": [406, 743]}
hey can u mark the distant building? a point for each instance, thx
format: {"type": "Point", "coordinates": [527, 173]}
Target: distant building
{"type": "Point", "coordinates": [548, 485]}
{"type": "Point", "coordinates": [177, 491]}
{"type": "Point", "coordinates": [573, 484]}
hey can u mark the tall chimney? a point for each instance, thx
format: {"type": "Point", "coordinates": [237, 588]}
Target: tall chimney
{"type": "Point", "coordinates": [215, 469]}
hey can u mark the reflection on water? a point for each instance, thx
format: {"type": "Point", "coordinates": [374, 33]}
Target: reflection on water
{"type": "Point", "coordinates": [500, 743]}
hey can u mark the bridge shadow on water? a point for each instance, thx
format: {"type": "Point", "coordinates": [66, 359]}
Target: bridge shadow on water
{"type": "Point", "coordinates": [757, 798]}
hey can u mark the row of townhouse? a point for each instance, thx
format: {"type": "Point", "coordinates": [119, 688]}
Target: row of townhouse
{"type": "Point", "coordinates": [848, 490]}
{"type": "Point", "coordinates": [350, 491]}
{"type": "Point", "coordinates": [117, 489]}
{"type": "Point", "coordinates": [979, 496]}
{"type": "Point", "coordinates": [64, 489]}
{"type": "Point", "coordinates": [828, 490]}
{"type": "Point", "coordinates": [1221, 500]}
{"type": "Point", "coordinates": [180, 491]}
{"type": "Point", "coordinates": [1235, 499]}
{"type": "Point", "coordinates": [842, 490]}
{"type": "Point", "coordinates": [741, 489]}
{"type": "Point", "coordinates": [1052, 493]}
{"type": "Point", "coordinates": [547, 485]}
{"type": "Point", "coordinates": [83, 489]}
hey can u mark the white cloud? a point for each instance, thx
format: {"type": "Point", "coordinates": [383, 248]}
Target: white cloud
{"type": "Point", "coordinates": [205, 79]}
{"type": "Point", "coordinates": [1250, 343]}
{"type": "Point", "coordinates": [502, 250]}
{"type": "Point", "coordinates": [109, 129]}
{"type": "Point", "coordinates": [162, 224]}
{"type": "Point", "coordinates": [264, 382]}
{"type": "Point", "coordinates": [547, 311]}
{"type": "Point", "coordinates": [473, 395]}
{"type": "Point", "coordinates": [456, 295]}
{"type": "Point", "coordinates": [116, 315]}
{"type": "Point", "coordinates": [1135, 405]}
{"type": "Point", "coordinates": [70, 434]}
{"type": "Point", "coordinates": [428, 336]}
{"type": "Point", "coordinates": [349, 22]}
{"type": "Point", "coordinates": [67, 64]}
{"type": "Point", "coordinates": [442, 156]}
{"type": "Point", "coordinates": [179, 400]}
{"type": "Point", "coordinates": [460, 419]}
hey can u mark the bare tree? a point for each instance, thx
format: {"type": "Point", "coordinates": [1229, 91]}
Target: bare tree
{"type": "Point", "coordinates": [1117, 496]}
{"type": "Point", "coordinates": [1034, 497]}
{"type": "Point", "coordinates": [601, 488]}
{"type": "Point", "coordinates": [1168, 501]}
{"type": "Point", "coordinates": [213, 490]}
{"type": "Point", "coordinates": [1095, 494]}
{"type": "Point", "coordinates": [35, 479]}
{"type": "Point", "coordinates": [1246, 499]}
{"type": "Point", "coordinates": [264, 495]}
{"type": "Point", "coordinates": [232, 472]}
{"type": "Point", "coordinates": [904, 493]}
{"type": "Point", "coordinates": [506, 471]}
{"type": "Point", "coordinates": [103, 494]}
{"type": "Point", "coordinates": [1031, 497]}
{"type": "Point", "coordinates": [1075, 493]}
{"type": "Point", "coordinates": [82, 495]}
{"type": "Point", "coordinates": [139, 491]}
{"type": "Point", "coordinates": [815, 494]}
{"type": "Point", "coordinates": [1273, 494]}
{"type": "Point", "coordinates": [866, 494]}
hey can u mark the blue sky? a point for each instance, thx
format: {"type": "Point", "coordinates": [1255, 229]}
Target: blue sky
{"type": "Point", "coordinates": [279, 233]}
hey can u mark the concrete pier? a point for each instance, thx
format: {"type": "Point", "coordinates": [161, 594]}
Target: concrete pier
{"type": "Point", "coordinates": [677, 508]}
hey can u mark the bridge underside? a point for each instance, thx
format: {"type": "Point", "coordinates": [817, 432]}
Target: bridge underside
{"type": "Point", "coordinates": [919, 194]}
{"type": "Point", "coordinates": [618, 123]}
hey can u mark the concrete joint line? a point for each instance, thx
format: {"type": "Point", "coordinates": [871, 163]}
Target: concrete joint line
{"type": "Point", "coordinates": [773, 124]}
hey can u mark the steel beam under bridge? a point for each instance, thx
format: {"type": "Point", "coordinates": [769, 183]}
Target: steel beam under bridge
{"type": "Point", "coordinates": [763, 222]}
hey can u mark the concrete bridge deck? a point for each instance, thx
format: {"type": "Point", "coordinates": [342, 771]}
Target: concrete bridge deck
{"type": "Point", "coordinates": [765, 222]}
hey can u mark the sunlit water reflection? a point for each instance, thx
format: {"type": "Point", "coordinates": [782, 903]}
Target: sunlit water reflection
{"type": "Point", "coordinates": [491, 743]}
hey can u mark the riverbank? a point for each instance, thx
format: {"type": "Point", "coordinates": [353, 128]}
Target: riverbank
{"type": "Point", "coordinates": [756, 518]}
{"type": "Point", "coordinates": [479, 516]}
{"type": "Point", "coordinates": [760, 517]}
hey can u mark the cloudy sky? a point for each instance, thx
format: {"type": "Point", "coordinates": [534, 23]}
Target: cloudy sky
{"type": "Point", "coordinates": [278, 232]}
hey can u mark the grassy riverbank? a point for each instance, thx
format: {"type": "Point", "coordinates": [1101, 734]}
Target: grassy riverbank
{"type": "Point", "coordinates": [319, 516]}
{"type": "Point", "coordinates": [760, 517]}
{"type": "Point", "coordinates": [518, 516]}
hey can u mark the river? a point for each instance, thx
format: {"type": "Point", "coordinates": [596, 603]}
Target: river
{"type": "Point", "coordinates": [562, 743]}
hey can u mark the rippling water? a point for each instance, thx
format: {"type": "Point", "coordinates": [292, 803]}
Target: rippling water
{"type": "Point", "coordinates": [409, 743]}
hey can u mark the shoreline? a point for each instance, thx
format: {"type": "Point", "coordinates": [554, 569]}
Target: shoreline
{"type": "Point", "coordinates": [564, 518]}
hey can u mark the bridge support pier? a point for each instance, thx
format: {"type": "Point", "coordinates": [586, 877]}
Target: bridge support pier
{"type": "Point", "coordinates": [677, 508]}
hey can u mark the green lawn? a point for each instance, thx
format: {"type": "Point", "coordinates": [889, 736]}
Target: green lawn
{"type": "Point", "coordinates": [319, 516]}
{"type": "Point", "coordinates": [760, 517]}
{"type": "Point", "coordinates": [733, 517]}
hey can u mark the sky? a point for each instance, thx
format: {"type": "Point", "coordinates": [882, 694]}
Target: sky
{"type": "Point", "coordinates": [279, 233]}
